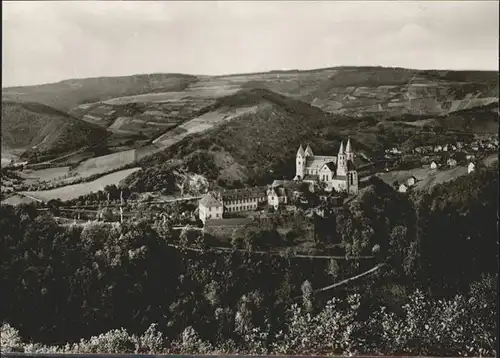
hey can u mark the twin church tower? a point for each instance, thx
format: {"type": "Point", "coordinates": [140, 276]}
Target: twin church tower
{"type": "Point", "coordinates": [337, 173]}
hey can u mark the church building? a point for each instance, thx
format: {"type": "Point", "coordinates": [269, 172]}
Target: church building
{"type": "Point", "coordinates": [337, 173]}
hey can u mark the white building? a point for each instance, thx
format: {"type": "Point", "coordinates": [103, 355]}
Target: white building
{"type": "Point", "coordinates": [411, 181]}
{"type": "Point", "coordinates": [471, 167]}
{"type": "Point", "coordinates": [277, 196]}
{"type": "Point", "coordinates": [403, 188]}
{"type": "Point", "coordinates": [337, 173]}
{"type": "Point", "coordinates": [214, 205]}
{"type": "Point", "coordinates": [434, 165]}
{"type": "Point", "coordinates": [451, 162]}
{"type": "Point", "coordinates": [210, 207]}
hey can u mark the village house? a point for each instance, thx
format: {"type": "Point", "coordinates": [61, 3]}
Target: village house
{"type": "Point", "coordinates": [337, 173]}
{"type": "Point", "coordinates": [411, 181]}
{"type": "Point", "coordinates": [451, 162]}
{"type": "Point", "coordinates": [403, 188]}
{"type": "Point", "coordinates": [277, 196]}
{"type": "Point", "coordinates": [433, 165]}
{"type": "Point", "coordinates": [471, 167]}
{"type": "Point", "coordinates": [445, 148]}
{"type": "Point", "coordinates": [438, 148]}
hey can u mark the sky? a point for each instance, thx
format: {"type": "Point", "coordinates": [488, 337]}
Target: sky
{"type": "Point", "coordinates": [46, 41]}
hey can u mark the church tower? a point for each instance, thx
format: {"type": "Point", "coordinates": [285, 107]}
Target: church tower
{"type": "Point", "coordinates": [309, 152]}
{"type": "Point", "coordinates": [341, 161]}
{"type": "Point", "coordinates": [300, 163]}
{"type": "Point", "coordinates": [349, 154]}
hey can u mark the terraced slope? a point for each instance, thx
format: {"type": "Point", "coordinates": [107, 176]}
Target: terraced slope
{"type": "Point", "coordinates": [68, 94]}
{"type": "Point", "coordinates": [153, 104]}
{"type": "Point", "coordinates": [38, 131]}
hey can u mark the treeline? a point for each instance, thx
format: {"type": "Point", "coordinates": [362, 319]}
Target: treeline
{"type": "Point", "coordinates": [60, 284]}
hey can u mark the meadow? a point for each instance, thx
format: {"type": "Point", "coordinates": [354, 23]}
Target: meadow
{"type": "Point", "coordinates": [75, 190]}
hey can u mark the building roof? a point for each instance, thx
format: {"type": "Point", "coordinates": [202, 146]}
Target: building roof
{"type": "Point", "coordinates": [227, 222]}
{"type": "Point", "coordinates": [348, 148]}
{"type": "Point", "coordinates": [316, 162]}
{"type": "Point", "coordinates": [309, 151]}
{"type": "Point", "coordinates": [331, 166]}
{"type": "Point", "coordinates": [244, 193]}
{"type": "Point", "coordinates": [210, 201]}
{"type": "Point", "coordinates": [300, 151]}
{"type": "Point", "coordinates": [341, 149]}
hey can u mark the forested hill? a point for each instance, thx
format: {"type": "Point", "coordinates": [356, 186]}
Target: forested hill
{"type": "Point", "coordinates": [61, 284]}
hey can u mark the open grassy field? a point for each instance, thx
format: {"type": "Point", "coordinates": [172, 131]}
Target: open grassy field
{"type": "Point", "coordinates": [75, 190]}
{"type": "Point", "coordinates": [49, 174]}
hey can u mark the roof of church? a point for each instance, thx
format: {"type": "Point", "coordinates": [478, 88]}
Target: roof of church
{"type": "Point", "coordinates": [309, 150]}
{"type": "Point", "coordinates": [348, 148]}
{"type": "Point", "coordinates": [300, 151]}
{"type": "Point", "coordinates": [209, 201]}
{"type": "Point", "coordinates": [341, 149]}
{"type": "Point", "coordinates": [317, 161]}
{"type": "Point", "coordinates": [331, 166]}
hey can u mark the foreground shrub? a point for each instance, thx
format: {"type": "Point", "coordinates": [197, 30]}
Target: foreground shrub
{"type": "Point", "coordinates": [463, 326]}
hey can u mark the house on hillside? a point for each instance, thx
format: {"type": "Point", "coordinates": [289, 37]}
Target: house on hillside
{"type": "Point", "coordinates": [210, 207]}
{"type": "Point", "coordinates": [411, 181]}
{"type": "Point", "coordinates": [434, 165]}
{"type": "Point", "coordinates": [403, 188]}
{"type": "Point", "coordinates": [438, 148]}
{"type": "Point", "coordinates": [471, 167]}
{"type": "Point", "coordinates": [451, 163]}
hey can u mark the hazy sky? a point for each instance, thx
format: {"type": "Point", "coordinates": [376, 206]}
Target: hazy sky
{"type": "Point", "coordinates": [51, 41]}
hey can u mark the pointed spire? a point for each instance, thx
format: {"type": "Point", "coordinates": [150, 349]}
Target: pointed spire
{"type": "Point", "coordinates": [300, 151]}
{"type": "Point", "coordinates": [341, 149]}
{"type": "Point", "coordinates": [309, 151]}
{"type": "Point", "coordinates": [348, 148]}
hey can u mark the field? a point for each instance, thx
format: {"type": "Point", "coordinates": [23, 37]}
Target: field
{"type": "Point", "coordinates": [75, 190]}
{"type": "Point", "coordinates": [50, 174]}
{"type": "Point", "coordinates": [201, 124]}
{"type": "Point", "coordinates": [426, 177]}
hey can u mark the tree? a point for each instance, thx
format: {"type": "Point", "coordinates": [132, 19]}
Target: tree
{"type": "Point", "coordinates": [307, 297]}
{"type": "Point", "coordinates": [333, 268]}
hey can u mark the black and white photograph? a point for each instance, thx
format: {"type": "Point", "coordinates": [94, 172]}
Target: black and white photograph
{"type": "Point", "coordinates": [271, 178]}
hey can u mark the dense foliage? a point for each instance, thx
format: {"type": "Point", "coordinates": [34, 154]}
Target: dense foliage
{"type": "Point", "coordinates": [60, 284]}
